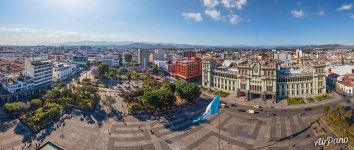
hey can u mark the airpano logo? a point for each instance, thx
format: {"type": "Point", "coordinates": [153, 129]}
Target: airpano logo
{"type": "Point", "coordinates": [330, 140]}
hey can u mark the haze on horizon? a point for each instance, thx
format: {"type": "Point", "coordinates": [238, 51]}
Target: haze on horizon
{"type": "Point", "coordinates": [201, 22]}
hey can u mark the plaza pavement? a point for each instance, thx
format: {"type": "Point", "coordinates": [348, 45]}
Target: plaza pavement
{"type": "Point", "coordinates": [238, 131]}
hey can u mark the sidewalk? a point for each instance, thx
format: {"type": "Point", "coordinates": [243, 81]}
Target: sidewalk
{"type": "Point", "coordinates": [268, 103]}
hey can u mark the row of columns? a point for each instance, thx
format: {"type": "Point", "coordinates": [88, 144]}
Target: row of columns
{"type": "Point", "coordinates": [26, 95]}
{"type": "Point", "coordinates": [248, 95]}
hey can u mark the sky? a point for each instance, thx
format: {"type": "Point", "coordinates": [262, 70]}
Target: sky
{"type": "Point", "coordinates": [204, 22]}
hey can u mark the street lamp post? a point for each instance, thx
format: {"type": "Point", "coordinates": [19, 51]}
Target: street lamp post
{"type": "Point", "coordinates": [62, 131]}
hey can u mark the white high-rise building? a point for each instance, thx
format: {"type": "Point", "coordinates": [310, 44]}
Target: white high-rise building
{"type": "Point", "coordinates": [298, 53]}
{"type": "Point", "coordinates": [40, 69]}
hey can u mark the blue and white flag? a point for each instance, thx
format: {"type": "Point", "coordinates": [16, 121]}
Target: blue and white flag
{"type": "Point", "coordinates": [212, 109]}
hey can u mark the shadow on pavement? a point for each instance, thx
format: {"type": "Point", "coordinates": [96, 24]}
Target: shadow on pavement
{"type": "Point", "coordinates": [96, 116]}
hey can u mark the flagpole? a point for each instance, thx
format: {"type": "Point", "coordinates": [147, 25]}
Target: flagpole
{"type": "Point", "coordinates": [219, 129]}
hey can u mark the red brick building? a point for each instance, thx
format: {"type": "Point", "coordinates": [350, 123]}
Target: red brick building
{"type": "Point", "coordinates": [171, 68]}
{"type": "Point", "coordinates": [189, 70]}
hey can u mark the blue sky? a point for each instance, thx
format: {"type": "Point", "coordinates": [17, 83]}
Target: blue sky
{"type": "Point", "coordinates": [208, 22]}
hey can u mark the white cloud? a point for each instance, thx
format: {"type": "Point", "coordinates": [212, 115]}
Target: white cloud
{"type": "Point", "coordinates": [214, 14]}
{"type": "Point", "coordinates": [196, 17]}
{"type": "Point", "coordinates": [322, 13]}
{"type": "Point", "coordinates": [211, 3]}
{"type": "Point", "coordinates": [37, 36]}
{"type": "Point", "coordinates": [297, 13]}
{"type": "Point", "coordinates": [213, 7]}
{"type": "Point", "coordinates": [345, 7]}
{"type": "Point", "coordinates": [234, 19]}
{"type": "Point", "coordinates": [234, 3]}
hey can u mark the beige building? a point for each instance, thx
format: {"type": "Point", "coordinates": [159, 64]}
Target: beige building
{"type": "Point", "coordinates": [266, 80]}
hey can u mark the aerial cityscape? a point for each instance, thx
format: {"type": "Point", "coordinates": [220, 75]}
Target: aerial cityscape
{"type": "Point", "coordinates": [176, 74]}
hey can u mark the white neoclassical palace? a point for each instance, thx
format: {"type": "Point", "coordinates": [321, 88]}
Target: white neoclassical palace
{"type": "Point", "coordinates": [266, 80]}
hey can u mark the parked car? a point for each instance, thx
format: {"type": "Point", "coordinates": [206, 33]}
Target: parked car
{"type": "Point", "coordinates": [257, 106]}
{"type": "Point", "coordinates": [251, 111]}
{"type": "Point", "coordinates": [233, 105]}
{"type": "Point", "coordinates": [241, 110]}
{"type": "Point", "coordinates": [300, 114]}
{"type": "Point", "coordinates": [308, 109]}
{"type": "Point", "coordinates": [223, 105]}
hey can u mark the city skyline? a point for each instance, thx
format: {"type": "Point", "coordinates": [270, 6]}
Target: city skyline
{"type": "Point", "coordinates": [200, 22]}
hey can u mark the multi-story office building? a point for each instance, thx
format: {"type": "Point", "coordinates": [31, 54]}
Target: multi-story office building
{"type": "Point", "coordinates": [61, 72]}
{"type": "Point", "coordinates": [40, 69]}
{"type": "Point", "coordinates": [143, 57]}
{"type": "Point", "coordinates": [189, 70]}
{"type": "Point", "coordinates": [112, 60]}
{"type": "Point", "coordinates": [266, 80]}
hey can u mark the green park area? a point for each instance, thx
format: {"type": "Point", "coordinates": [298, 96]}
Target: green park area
{"type": "Point", "coordinates": [40, 112]}
{"type": "Point", "coordinates": [340, 120]}
{"type": "Point", "coordinates": [323, 97]}
{"type": "Point", "coordinates": [154, 96]}
{"type": "Point", "coordinates": [310, 99]}
{"type": "Point", "coordinates": [295, 101]}
{"type": "Point", "coordinates": [219, 92]}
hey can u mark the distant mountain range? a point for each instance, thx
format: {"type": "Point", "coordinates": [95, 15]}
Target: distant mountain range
{"type": "Point", "coordinates": [131, 44]}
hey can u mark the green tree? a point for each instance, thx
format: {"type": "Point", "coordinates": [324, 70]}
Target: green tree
{"type": "Point", "coordinates": [159, 99]}
{"type": "Point", "coordinates": [35, 104]}
{"type": "Point", "coordinates": [170, 86]}
{"type": "Point", "coordinates": [188, 91]}
{"type": "Point", "coordinates": [103, 69]}
{"type": "Point", "coordinates": [14, 108]}
{"type": "Point", "coordinates": [325, 109]}
{"type": "Point", "coordinates": [62, 85]}
{"type": "Point", "coordinates": [149, 83]}
{"type": "Point", "coordinates": [128, 58]}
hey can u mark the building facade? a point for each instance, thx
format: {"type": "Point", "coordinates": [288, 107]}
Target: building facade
{"type": "Point", "coordinates": [263, 80]}
{"type": "Point", "coordinates": [301, 81]}
{"type": "Point", "coordinates": [189, 70]}
{"type": "Point", "coordinates": [143, 57]}
{"type": "Point", "coordinates": [112, 60]}
{"type": "Point", "coordinates": [345, 84]}
{"type": "Point", "coordinates": [39, 69]}
{"type": "Point", "coordinates": [20, 84]}
{"type": "Point", "coordinates": [79, 59]}
{"type": "Point", "coordinates": [61, 72]}
{"type": "Point", "coordinates": [37, 78]}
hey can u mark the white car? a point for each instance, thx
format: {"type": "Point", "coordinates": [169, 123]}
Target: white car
{"type": "Point", "coordinates": [257, 106]}
{"type": "Point", "coordinates": [250, 111]}
{"type": "Point", "coordinates": [223, 105]}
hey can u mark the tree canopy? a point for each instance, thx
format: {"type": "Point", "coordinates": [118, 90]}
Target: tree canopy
{"type": "Point", "coordinates": [188, 91]}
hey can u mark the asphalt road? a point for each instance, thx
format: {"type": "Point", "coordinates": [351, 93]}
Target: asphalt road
{"type": "Point", "coordinates": [266, 112]}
